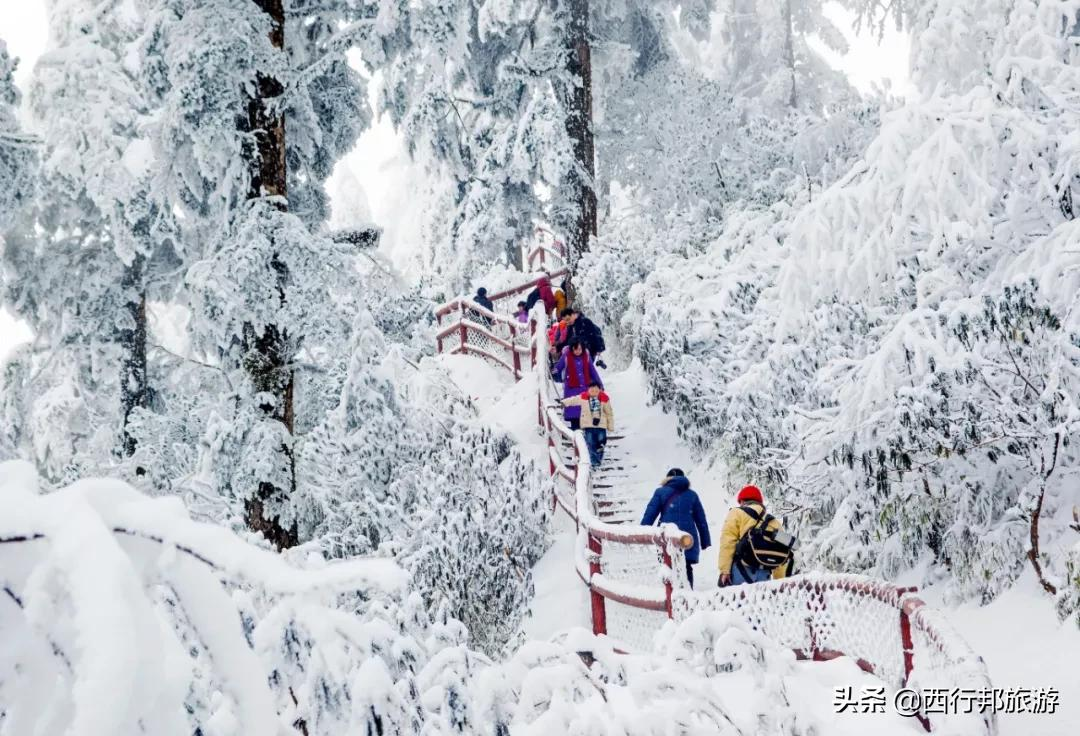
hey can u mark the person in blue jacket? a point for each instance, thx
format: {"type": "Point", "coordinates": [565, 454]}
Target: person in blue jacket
{"type": "Point", "coordinates": [677, 503]}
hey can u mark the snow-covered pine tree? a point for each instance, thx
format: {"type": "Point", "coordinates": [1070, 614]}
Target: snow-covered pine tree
{"type": "Point", "coordinates": [402, 464]}
{"type": "Point", "coordinates": [264, 101]}
{"type": "Point", "coordinates": [19, 171]}
{"type": "Point", "coordinates": [468, 83]}
{"type": "Point", "coordinates": [327, 106]}
{"type": "Point", "coordinates": [94, 215]}
{"type": "Point", "coordinates": [842, 346]}
{"type": "Point", "coordinates": [577, 98]}
{"type": "Point", "coordinates": [18, 159]}
{"type": "Point", "coordinates": [723, 86]}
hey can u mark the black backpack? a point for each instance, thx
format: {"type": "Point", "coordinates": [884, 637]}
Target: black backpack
{"type": "Point", "coordinates": [763, 548]}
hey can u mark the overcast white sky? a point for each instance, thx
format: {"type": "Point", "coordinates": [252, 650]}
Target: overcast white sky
{"type": "Point", "coordinates": [23, 25]}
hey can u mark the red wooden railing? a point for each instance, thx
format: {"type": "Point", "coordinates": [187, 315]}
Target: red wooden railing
{"type": "Point", "coordinates": [467, 328]}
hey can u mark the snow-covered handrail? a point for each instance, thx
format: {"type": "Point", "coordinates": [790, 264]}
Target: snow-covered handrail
{"type": "Point", "coordinates": [887, 630]}
{"type": "Point", "coordinates": [479, 339]}
{"type": "Point", "coordinates": [541, 252]}
{"type": "Point", "coordinates": [667, 539]}
{"type": "Point", "coordinates": [501, 297]}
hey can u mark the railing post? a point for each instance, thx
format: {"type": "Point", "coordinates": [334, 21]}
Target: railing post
{"type": "Point", "coordinates": [532, 341]}
{"type": "Point", "coordinates": [464, 333]}
{"type": "Point", "coordinates": [816, 645]}
{"type": "Point", "coordinates": [669, 583]}
{"type": "Point", "coordinates": [599, 614]}
{"type": "Point", "coordinates": [908, 644]}
{"type": "Point", "coordinates": [514, 350]}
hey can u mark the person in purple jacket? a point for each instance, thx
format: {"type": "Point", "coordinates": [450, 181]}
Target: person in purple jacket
{"type": "Point", "coordinates": [577, 369]}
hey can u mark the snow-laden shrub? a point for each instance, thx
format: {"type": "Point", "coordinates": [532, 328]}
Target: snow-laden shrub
{"type": "Point", "coordinates": [123, 616]}
{"type": "Point", "coordinates": [404, 463]}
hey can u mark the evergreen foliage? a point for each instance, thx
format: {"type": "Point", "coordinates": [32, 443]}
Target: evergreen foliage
{"type": "Point", "coordinates": [895, 357]}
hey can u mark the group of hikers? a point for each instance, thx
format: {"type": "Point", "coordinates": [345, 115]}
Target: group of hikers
{"type": "Point", "coordinates": [576, 344]}
{"type": "Point", "coordinates": [753, 544]}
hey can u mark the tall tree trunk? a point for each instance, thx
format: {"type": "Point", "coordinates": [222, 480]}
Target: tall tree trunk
{"type": "Point", "coordinates": [579, 126]}
{"type": "Point", "coordinates": [134, 389]}
{"type": "Point", "coordinates": [267, 355]}
{"type": "Point", "coordinates": [1033, 531]}
{"type": "Point", "coordinates": [789, 51]}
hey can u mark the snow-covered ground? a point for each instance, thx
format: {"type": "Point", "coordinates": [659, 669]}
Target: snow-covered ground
{"type": "Point", "coordinates": [1018, 635]}
{"type": "Point", "coordinates": [1025, 646]}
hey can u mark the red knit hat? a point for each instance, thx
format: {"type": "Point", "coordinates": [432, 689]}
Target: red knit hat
{"type": "Point", "coordinates": [750, 493]}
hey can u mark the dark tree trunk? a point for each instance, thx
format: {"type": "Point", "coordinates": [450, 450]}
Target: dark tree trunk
{"type": "Point", "coordinates": [789, 51]}
{"type": "Point", "coordinates": [579, 126]}
{"type": "Point", "coordinates": [268, 168]}
{"type": "Point", "coordinates": [1033, 531]}
{"type": "Point", "coordinates": [267, 356]}
{"type": "Point", "coordinates": [134, 389]}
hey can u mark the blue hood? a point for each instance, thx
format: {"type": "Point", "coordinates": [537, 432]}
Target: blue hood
{"type": "Point", "coordinates": [684, 512]}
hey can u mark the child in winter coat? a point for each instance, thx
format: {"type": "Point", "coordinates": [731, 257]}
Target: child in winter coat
{"type": "Point", "coordinates": [578, 371]}
{"type": "Point", "coordinates": [597, 419]}
{"type": "Point", "coordinates": [522, 313]}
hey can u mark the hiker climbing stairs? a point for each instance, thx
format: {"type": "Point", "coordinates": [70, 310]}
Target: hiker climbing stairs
{"type": "Point", "coordinates": [614, 503]}
{"type": "Point", "coordinates": [635, 575]}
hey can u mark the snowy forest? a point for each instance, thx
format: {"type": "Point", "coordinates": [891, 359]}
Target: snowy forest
{"type": "Point", "coordinates": [240, 491]}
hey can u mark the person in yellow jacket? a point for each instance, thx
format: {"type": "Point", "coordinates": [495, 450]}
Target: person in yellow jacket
{"type": "Point", "coordinates": [560, 298]}
{"type": "Point", "coordinates": [737, 524]}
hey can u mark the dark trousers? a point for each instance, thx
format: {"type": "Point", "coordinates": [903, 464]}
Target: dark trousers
{"type": "Point", "coordinates": [595, 437]}
{"type": "Point", "coordinates": [690, 573]}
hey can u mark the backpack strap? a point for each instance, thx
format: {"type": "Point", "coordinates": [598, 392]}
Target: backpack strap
{"type": "Point", "coordinates": [762, 520]}
{"type": "Point", "coordinates": [667, 504]}
{"type": "Point", "coordinates": [749, 511]}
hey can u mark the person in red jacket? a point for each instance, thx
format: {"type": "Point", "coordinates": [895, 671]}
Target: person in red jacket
{"type": "Point", "coordinates": [559, 335]}
{"type": "Point", "coordinates": [547, 293]}
{"type": "Point", "coordinates": [542, 292]}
